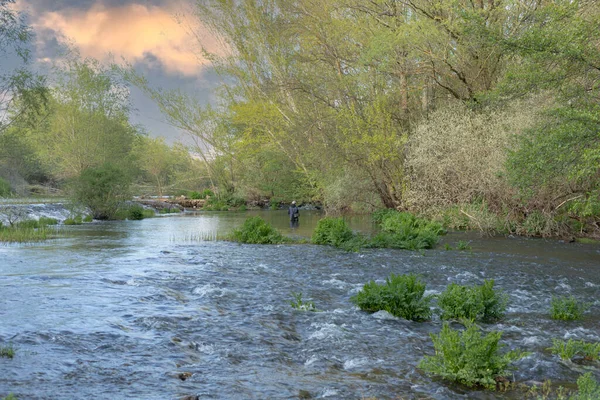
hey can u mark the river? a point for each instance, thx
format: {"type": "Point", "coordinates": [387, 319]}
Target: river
{"type": "Point", "coordinates": [157, 309]}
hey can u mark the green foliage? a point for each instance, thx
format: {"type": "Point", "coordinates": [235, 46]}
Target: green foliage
{"type": "Point", "coordinates": [7, 351]}
{"type": "Point", "coordinates": [332, 232]}
{"type": "Point", "coordinates": [299, 304]}
{"type": "Point", "coordinates": [23, 234]}
{"type": "Point", "coordinates": [135, 212]}
{"type": "Point", "coordinates": [74, 220]}
{"type": "Point", "coordinates": [10, 397]}
{"type": "Point", "coordinates": [256, 231]}
{"type": "Point", "coordinates": [567, 308]}
{"type": "Point", "coordinates": [88, 218]}
{"type": "Point", "coordinates": [588, 388]}
{"type": "Point", "coordinates": [481, 303]}
{"type": "Point", "coordinates": [403, 230]}
{"type": "Point", "coordinates": [102, 190]}
{"type": "Point", "coordinates": [462, 245]}
{"type": "Point", "coordinates": [195, 195]}
{"type": "Point", "coordinates": [571, 348]}
{"type": "Point", "coordinates": [468, 357]}
{"type": "Point", "coordinates": [401, 296]}
{"type": "Point", "coordinates": [5, 189]}
{"type": "Point", "coordinates": [207, 193]}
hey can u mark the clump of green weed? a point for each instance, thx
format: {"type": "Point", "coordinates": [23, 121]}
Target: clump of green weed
{"type": "Point", "coordinates": [300, 304]}
{"type": "Point", "coordinates": [567, 308]}
{"type": "Point", "coordinates": [20, 234]}
{"type": "Point", "coordinates": [401, 295]}
{"type": "Point", "coordinates": [256, 231]}
{"type": "Point", "coordinates": [481, 303]}
{"type": "Point", "coordinates": [403, 230]}
{"type": "Point", "coordinates": [10, 397]}
{"type": "Point", "coordinates": [588, 388]}
{"type": "Point", "coordinates": [462, 245]}
{"type": "Point", "coordinates": [572, 348]}
{"type": "Point", "coordinates": [74, 220]}
{"type": "Point", "coordinates": [88, 218]}
{"type": "Point", "coordinates": [7, 351]}
{"type": "Point", "coordinates": [469, 358]}
{"type": "Point", "coordinates": [135, 212]}
{"type": "Point", "coordinates": [332, 232]}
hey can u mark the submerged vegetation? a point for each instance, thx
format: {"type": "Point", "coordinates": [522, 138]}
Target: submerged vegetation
{"type": "Point", "coordinates": [7, 351]}
{"type": "Point", "coordinates": [302, 305]}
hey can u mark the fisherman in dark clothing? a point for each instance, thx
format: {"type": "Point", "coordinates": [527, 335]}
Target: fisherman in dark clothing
{"type": "Point", "coordinates": [294, 213]}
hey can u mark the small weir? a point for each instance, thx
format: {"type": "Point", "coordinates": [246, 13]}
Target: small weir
{"type": "Point", "coordinates": [157, 309]}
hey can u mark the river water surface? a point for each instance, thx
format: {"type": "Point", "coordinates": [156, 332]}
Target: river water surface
{"type": "Point", "coordinates": [155, 309]}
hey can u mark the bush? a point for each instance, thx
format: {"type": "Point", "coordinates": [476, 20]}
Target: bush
{"type": "Point", "coordinates": [468, 357]}
{"type": "Point", "coordinates": [102, 190]}
{"type": "Point", "coordinates": [195, 195]}
{"type": "Point", "coordinates": [568, 350]}
{"type": "Point", "coordinates": [135, 212]}
{"type": "Point", "coordinates": [256, 231]}
{"type": "Point", "coordinates": [401, 296]}
{"type": "Point", "coordinates": [588, 388]}
{"type": "Point", "coordinates": [207, 193]}
{"type": "Point", "coordinates": [567, 308]}
{"type": "Point", "coordinates": [332, 232]}
{"type": "Point", "coordinates": [403, 230]}
{"type": "Point", "coordinates": [5, 189]}
{"type": "Point", "coordinates": [473, 303]}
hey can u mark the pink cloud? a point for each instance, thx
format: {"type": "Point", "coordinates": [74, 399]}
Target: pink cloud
{"type": "Point", "coordinates": [132, 31]}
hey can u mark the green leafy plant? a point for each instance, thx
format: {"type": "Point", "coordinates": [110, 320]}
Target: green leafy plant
{"type": "Point", "coordinates": [567, 350]}
{"type": "Point", "coordinates": [256, 231]}
{"type": "Point", "coordinates": [300, 304]}
{"type": "Point", "coordinates": [473, 302]}
{"type": "Point", "coordinates": [462, 245]}
{"type": "Point", "coordinates": [468, 357]}
{"type": "Point", "coordinates": [332, 232]}
{"type": "Point", "coordinates": [135, 212]}
{"type": "Point", "coordinates": [567, 308]}
{"type": "Point", "coordinates": [403, 230]}
{"type": "Point", "coordinates": [401, 295]}
{"type": "Point", "coordinates": [5, 189]}
{"type": "Point", "coordinates": [7, 351]}
{"type": "Point", "coordinates": [102, 189]}
{"type": "Point", "coordinates": [588, 388]}
{"type": "Point", "coordinates": [88, 218]}
{"type": "Point", "coordinates": [74, 220]}
{"type": "Point", "coordinates": [10, 397]}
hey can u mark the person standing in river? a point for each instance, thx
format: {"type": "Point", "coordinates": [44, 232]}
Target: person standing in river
{"type": "Point", "coordinates": [294, 214]}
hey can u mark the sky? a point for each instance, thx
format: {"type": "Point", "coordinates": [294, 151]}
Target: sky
{"type": "Point", "coordinates": [152, 35]}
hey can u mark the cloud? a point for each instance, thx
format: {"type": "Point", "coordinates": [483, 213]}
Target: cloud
{"type": "Point", "coordinates": [146, 34]}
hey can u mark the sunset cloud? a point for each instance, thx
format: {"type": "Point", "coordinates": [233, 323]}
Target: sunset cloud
{"type": "Point", "coordinates": [146, 34]}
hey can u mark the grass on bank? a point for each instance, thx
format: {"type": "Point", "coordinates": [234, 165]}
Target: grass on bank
{"type": "Point", "coordinates": [28, 231]}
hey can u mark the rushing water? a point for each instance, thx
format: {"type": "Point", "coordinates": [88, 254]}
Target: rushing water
{"type": "Point", "coordinates": [152, 309]}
